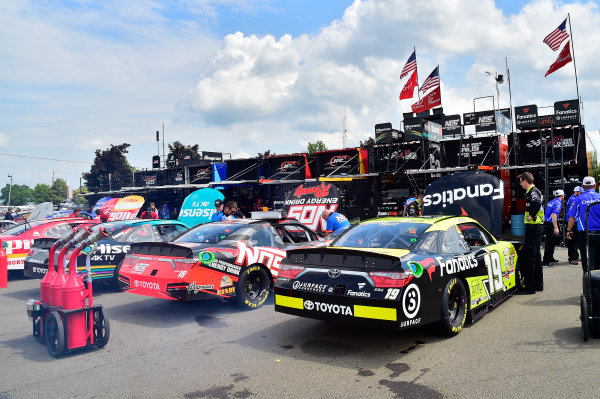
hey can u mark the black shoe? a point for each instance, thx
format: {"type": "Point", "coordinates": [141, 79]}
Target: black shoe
{"type": "Point", "coordinates": [554, 260]}
{"type": "Point", "coordinates": [524, 292]}
{"type": "Point", "coordinates": [546, 265]}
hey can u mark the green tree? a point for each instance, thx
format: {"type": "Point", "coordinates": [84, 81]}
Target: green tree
{"type": "Point", "coordinates": [178, 149]}
{"type": "Point", "coordinates": [20, 194]}
{"type": "Point", "coordinates": [316, 147]}
{"type": "Point", "coordinates": [78, 198]}
{"type": "Point", "coordinates": [58, 191]}
{"type": "Point", "coordinates": [110, 169]}
{"type": "Point", "coordinates": [41, 193]}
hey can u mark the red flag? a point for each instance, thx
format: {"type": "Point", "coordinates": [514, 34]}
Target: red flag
{"type": "Point", "coordinates": [409, 88]}
{"type": "Point", "coordinates": [563, 59]}
{"type": "Point", "coordinates": [433, 99]}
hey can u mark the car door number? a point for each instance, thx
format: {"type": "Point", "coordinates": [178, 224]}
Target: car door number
{"type": "Point", "coordinates": [493, 264]}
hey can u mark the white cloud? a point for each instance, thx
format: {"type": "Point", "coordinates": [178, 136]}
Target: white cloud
{"type": "Point", "coordinates": [354, 64]}
{"type": "Point", "coordinates": [3, 140]}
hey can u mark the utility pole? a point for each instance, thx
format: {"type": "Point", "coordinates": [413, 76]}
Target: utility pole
{"type": "Point", "coordinates": [344, 130]}
{"type": "Point", "coordinates": [9, 190]}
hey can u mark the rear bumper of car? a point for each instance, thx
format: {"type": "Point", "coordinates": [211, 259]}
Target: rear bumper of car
{"type": "Point", "coordinates": [358, 311]}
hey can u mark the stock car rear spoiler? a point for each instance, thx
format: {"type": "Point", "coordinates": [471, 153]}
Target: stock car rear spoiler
{"type": "Point", "coordinates": [161, 249]}
{"type": "Point", "coordinates": [44, 242]}
{"type": "Point", "coordinates": [342, 258]}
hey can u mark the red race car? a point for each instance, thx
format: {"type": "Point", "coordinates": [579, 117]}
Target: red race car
{"type": "Point", "coordinates": [231, 259]}
{"type": "Point", "coordinates": [18, 239]}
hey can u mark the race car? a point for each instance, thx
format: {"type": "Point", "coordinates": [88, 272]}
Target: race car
{"type": "Point", "coordinates": [18, 239]}
{"type": "Point", "coordinates": [231, 259]}
{"type": "Point", "coordinates": [400, 273]}
{"type": "Point", "coordinates": [108, 252]}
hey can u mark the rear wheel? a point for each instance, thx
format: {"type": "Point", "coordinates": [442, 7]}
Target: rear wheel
{"type": "Point", "coordinates": [101, 328]}
{"type": "Point", "coordinates": [55, 335]}
{"type": "Point", "coordinates": [253, 287]}
{"type": "Point", "coordinates": [454, 307]}
{"type": "Point", "coordinates": [585, 320]}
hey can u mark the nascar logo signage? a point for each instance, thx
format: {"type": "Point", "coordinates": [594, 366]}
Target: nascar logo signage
{"type": "Point", "coordinates": [307, 202]}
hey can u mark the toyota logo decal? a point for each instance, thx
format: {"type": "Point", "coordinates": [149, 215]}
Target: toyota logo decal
{"type": "Point", "coordinates": [334, 273]}
{"type": "Point", "coordinates": [309, 305]}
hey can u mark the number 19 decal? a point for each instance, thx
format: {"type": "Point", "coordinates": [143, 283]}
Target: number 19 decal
{"type": "Point", "coordinates": [492, 262]}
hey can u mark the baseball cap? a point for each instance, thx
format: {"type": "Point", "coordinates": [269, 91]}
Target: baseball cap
{"type": "Point", "coordinates": [589, 181]}
{"type": "Point", "coordinates": [218, 202]}
{"type": "Point", "coordinates": [578, 189]}
{"type": "Point", "coordinates": [558, 193]}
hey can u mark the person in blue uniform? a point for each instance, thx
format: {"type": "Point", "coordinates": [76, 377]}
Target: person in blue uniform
{"type": "Point", "coordinates": [407, 203]}
{"type": "Point", "coordinates": [571, 243]}
{"type": "Point", "coordinates": [531, 266]}
{"type": "Point", "coordinates": [336, 222]}
{"type": "Point", "coordinates": [218, 214]}
{"type": "Point", "coordinates": [415, 208]}
{"type": "Point", "coordinates": [551, 230]}
{"type": "Point", "coordinates": [577, 221]}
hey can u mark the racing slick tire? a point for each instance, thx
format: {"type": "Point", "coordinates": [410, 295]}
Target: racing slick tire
{"type": "Point", "coordinates": [253, 287]}
{"type": "Point", "coordinates": [585, 319]}
{"type": "Point", "coordinates": [454, 307]}
{"type": "Point", "coordinates": [55, 335]}
{"type": "Point", "coordinates": [101, 328]}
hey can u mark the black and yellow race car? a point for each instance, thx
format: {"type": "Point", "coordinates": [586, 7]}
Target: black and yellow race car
{"type": "Point", "coordinates": [400, 273]}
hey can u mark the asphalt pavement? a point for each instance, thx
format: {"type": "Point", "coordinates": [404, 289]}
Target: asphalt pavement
{"type": "Point", "coordinates": [528, 347]}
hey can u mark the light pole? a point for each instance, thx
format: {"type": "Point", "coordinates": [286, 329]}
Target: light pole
{"type": "Point", "coordinates": [9, 190]}
{"type": "Point", "coordinates": [499, 80]}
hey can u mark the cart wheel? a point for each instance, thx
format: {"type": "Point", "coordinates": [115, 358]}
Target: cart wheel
{"type": "Point", "coordinates": [585, 320]}
{"type": "Point", "coordinates": [101, 328]}
{"type": "Point", "coordinates": [55, 335]}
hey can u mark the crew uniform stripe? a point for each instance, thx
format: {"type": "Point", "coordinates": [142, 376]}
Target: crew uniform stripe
{"type": "Point", "coordinates": [289, 301]}
{"type": "Point", "coordinates": [374, 312]}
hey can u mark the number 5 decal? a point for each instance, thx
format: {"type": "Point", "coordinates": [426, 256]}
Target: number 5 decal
{"type": "Point", "coordinates": [492, 262]}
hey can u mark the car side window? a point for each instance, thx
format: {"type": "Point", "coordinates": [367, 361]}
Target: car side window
{"type": "Point", "coordinates": [140, 233]}
{"type": "Point", "coordinates": [168, 232]}
{"type": "Point", "coordinates": [262, 238]}
{"type": "Point", "coordinates": [474, 236]}
{"type": "Point", "coordinates": [59, 230]}
{"type": "Point", "coordinates": [453, 243]}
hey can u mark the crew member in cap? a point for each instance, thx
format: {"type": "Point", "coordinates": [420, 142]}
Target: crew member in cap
{"type": "Point", "coordinates": [534, 218]}
{"type": "Point", "coordinates": [551, 231]}
{"type": "Point", "coordinates": [572, 242]}
{"type": "Point", "coordinates": [576, 217]}
{"type": "Point", "coordinates": [336, 222]}
{"type": "Point", "coordinates": [218, 215]}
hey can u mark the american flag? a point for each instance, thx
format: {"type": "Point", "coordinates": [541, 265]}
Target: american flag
{"type": "Point", "coordinates": [432, 80]}
{"type": "Point", "coordinates": [557, 36]}
{"type": "Point", "coordinates": [411, 64]}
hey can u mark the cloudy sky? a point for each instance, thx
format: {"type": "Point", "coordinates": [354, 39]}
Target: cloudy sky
{"type": "Point", "coordinates": [245, 76]}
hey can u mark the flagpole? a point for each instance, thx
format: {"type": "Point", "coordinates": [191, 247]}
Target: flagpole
{"type": "Point", "coordinates": [574, 63]}
{"type": "Point", "coordinates": [417, 71]}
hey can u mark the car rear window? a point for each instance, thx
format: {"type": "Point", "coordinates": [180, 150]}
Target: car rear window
{"type": "Point", "coordinates": [381, 235]}
{"type": "Point", "coordinates": [210, 233]}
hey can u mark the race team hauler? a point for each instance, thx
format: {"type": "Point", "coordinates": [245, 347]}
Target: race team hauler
{"type": "Point", "coordinates": [110, 251]}
{"type": "Point", "coordinates": [400, 273]}
{"type": "Point", "coordinates": [236, 258]}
